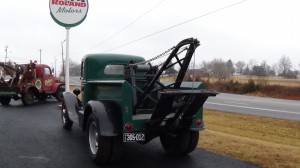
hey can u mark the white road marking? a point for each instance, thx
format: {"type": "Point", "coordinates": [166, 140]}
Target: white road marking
{"type": "Point", "coordinates": [262, 109]}
{"type": "Point", "coordinates": [259, 100]}
{"type": "Point", "coordinates": [246, 104]}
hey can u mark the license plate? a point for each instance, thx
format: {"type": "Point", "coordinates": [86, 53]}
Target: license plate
{"type": "Point", "coordinates": [133, 137]}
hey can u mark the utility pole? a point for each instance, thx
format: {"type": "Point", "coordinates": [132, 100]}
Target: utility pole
{"type": "Point", "coordinates": [55, 66]}
{"type": "Point", "coordinates": [40, 55]}
{"type": "Point", "coordinates": [6, 47]}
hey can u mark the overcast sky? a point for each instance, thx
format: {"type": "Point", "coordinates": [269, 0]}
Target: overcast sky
{"type": "Point", "coordinates": [254, 29]}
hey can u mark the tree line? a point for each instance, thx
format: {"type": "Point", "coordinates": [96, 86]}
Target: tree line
{"type": "Point", "coordinates": [221, 69]}
{"type": "Point", "coordinates": [224, 69]}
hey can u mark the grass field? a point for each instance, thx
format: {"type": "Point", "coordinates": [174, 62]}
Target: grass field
{"type": "Point", "coordinates": [269, 80]}
{"type": "Point", "coordinates": [262, 80]}
{"type": "Point", "coordinates": [258, 80]}
{"type": "Point", "coordinates": [263, 141]}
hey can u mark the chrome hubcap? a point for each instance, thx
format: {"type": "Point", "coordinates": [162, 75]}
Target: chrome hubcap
{"type": "Point", "coordinates": [63, 115]}
{"type": "Point", "coordinates": [93, 136]}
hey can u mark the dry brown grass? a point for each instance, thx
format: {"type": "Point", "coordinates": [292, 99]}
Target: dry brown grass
{"type": "Point", "coordinates": [261, 80]}
{"type": "Point", "coordinates": [269, 80]}
{"type": "Point", "coordinates": [263, 141]}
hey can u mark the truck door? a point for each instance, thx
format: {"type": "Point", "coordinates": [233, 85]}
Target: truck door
{"type": "Point", "coordinates": [47, 79]}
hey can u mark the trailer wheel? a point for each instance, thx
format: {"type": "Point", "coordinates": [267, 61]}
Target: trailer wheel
{"type": "Point", "coordinates": [28, 98]}
{"type": "Point", "coordinates": [66, 122]}
{"type": "Point", "coordinates": [5, 100]}
{"type": "Point", "coordinates": [100, 147]}
{"type": "Point", "coordinates": [176, 144]}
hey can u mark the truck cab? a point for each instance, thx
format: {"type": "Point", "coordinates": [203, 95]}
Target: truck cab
{"type": "Point", "coordinates": [44, 73]}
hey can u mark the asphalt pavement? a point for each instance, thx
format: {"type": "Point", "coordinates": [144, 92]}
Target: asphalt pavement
{"type": "Point", "coordinates": [32, 137]}
{"type": "Point", "coordinates": [260, 106]}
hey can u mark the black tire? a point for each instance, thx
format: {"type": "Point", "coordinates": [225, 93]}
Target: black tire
{"type": "Point", "coordinates": [175, 144]}
{"type": "Point", "coordinates": [117, 149]}
{"type": "Point", "coordinates": [194, 138]}
{"type": "Point", "coordinates": [28, 98]}
{"type": "Point", "coordinates": [59, 94]}
{"type": "Point", "coordinates": [66, 122]}
{"type": "Point", "coordinates": [5, 100]}
{"type": "Point", "coordinates": [100, 147]}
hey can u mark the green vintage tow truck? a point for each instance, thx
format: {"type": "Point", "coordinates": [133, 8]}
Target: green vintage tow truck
{"type": "Point", "coordinates": [123, 100]}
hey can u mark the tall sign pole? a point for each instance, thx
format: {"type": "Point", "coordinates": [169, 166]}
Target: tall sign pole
{"type": "Point", "coordinates": [67, 72]}
{"type": "Point", "coordinates": [68, 13]}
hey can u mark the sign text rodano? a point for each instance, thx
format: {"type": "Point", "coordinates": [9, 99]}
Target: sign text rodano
{"type": "Point", "coordinates": [68, 13]}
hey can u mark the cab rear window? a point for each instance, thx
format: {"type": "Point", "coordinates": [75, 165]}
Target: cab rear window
{"type": "Point", "coordinates": [114, 70]}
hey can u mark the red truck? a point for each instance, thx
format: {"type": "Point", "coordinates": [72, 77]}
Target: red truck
{"type": "Point", "coordinates": [28, 82]}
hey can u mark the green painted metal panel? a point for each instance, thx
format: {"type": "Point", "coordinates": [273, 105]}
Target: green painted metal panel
{"type": "Point", "coordinates": [94, 65]}
{"type": "Point", "coordinates": [8, 93]}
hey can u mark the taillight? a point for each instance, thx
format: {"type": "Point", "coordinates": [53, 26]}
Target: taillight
{"type": "Point", "coordinates": [198, 123]}
{"type": "Point", "coordinates": [128, 127]}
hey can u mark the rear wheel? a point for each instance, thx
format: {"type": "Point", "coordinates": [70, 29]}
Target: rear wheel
{"type": "Point", "coordinates": [28, 98]}
{"type": "Point", "coordinates": [117, 149]}
{"type": "Point", "coordinates": [58, 93]}
{"type": "Point", "coordinates": [179, 143]}
{"type": "Point", "coordinates": [66, 122]}
{"type": "Point", "coordinates": [194, 138]}
{"type": "Point", "coordinates": [100, 147]}
{"type": "Point", "coordinates": [5, 100]}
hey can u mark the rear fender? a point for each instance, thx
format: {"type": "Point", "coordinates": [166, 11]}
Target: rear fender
{"type": "Point", "coordinates": [72, 106]}
{"type": "Point", "coordinates": [108, 114]}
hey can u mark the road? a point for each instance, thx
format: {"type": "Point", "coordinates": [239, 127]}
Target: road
{"type": "Point", "coordinates": [32, 137]}
{"type": "Point", "coordinates": [75, 80]}
{"type": "Point", "coordinates": [268, 107]}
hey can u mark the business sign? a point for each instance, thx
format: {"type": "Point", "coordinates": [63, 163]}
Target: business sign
{"type": "Point", "coordinates": [68, 13]}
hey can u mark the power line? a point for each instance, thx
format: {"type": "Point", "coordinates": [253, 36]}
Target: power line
{"type": "Point", "coordinates": [125, 27]}
{"type": "Point", "coordinates": [179, 24]}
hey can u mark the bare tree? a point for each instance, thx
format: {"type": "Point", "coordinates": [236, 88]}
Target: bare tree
{"type": "Point", "coordinates": [74, 69]}
{"type": "Point", "coordinates": [240, 66]}
{"type": "Point", "coordinates": [220, 70]}
{"type": "Point", "coordinates": [267, 68]}
{"type": "Point", "coordinates": [230, 68]}
{"type": "Point", "coordinates": [284, 65]}
{"type": "Point", "coordinates": [275, 69]}
{"type": "Point", "coordinates": [247, 70]}
{"type": "Point", "coordinates": [206, 67]}
{"type": "Point", "coordinates": [252, 63]}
